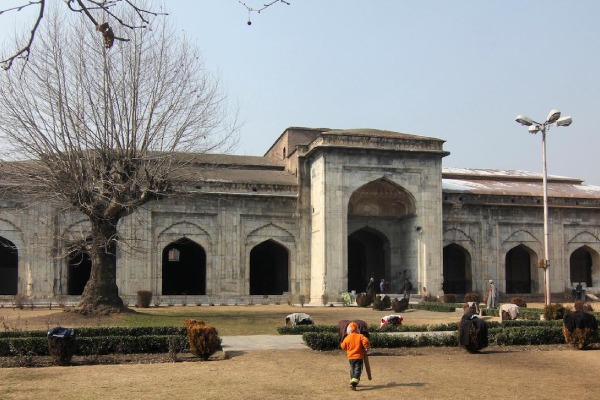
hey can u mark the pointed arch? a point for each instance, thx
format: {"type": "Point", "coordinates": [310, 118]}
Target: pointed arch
{"type": "Point", "coordinates": [381, 198]}
{"type": "Point", "coordinates": [585, 237]}
{"type": "Point", "coordinates": [183, 228]}
{"type": "Point", "coordinates": [187, 273]}
{"type": "Point", "coordinates": [520, 270]}
{"type": "Point", "coordinates": [79, 268]}
{"type": "Point", "coordinates": [454, 235]}
{"type": "Point", "coordinates": [584, 265]}
{"type": "Point", "coordinates": [269, 268]}
{"type": "Point", "coordinates": [521, 236]}
{"type": "Point", "coordinates": [457, 270]}
{"type": "Point", "coordinates": [271, 230]}
{"type": "Point", "coordinates": [368, 257]}
{"type": "Point", "coordinates": [9, 267]}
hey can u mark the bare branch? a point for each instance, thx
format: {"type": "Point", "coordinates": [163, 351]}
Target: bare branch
{"type": "Point", "coordinates": [258, 10]}
{"type": "Point", "coordinates": [109, 9]}
{"type": "Point", "coordinates": [24, 52]}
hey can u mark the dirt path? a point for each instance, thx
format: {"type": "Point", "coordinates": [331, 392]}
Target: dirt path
{"type": "Point", "coordinates": [544, 372]}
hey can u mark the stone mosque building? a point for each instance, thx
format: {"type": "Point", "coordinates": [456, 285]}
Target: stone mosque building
{"type": "Point", "coordinates": [319, 214]}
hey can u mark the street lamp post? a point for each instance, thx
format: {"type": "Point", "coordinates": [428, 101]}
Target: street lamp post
{"type": "Point", "coordinates": [554, 118]}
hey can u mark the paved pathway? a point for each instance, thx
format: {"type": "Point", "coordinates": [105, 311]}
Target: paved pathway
{"type": "Point", "coordinates": [263, 342]}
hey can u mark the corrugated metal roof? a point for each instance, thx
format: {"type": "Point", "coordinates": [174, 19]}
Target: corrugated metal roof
{"type": "Point", "coordinates": [513, 183]}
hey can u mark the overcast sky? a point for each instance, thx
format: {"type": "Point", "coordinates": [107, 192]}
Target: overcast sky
{"type": "Point", "coordinates": [457, 70]}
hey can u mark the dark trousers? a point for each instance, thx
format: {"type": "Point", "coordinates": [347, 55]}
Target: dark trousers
{"type": "Point", "coordinates": [356, 367]}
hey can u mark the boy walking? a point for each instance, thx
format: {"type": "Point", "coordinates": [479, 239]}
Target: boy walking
{"type": "Point", "coordinates": [355, 345]}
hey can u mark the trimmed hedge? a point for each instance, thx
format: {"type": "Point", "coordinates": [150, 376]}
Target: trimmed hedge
{"type": "Point", "coordinates": [97, 345]}
{"type": "Point", "coordinates": [534, 333]}
{"type": "Point", "coordinates": [435, 306]}
{"type": "Point", "coordinates": [100, 341]}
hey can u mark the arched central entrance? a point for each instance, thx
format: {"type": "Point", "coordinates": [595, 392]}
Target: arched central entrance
{"type": "Point", "coordinates": [457, 270]}
{"type": "Point", "coordinates": [269, 267]}
{"type": "Point", "coordinates": [382, 244]}
{"type": "Point", "coordinates": [368, 256]}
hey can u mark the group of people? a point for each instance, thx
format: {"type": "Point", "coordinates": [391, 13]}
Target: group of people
{"type": "Point", "coordinates": [384, 287]}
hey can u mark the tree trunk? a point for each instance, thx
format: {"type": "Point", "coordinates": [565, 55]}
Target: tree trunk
{"type": "Point", "coordinates": [101, 294]}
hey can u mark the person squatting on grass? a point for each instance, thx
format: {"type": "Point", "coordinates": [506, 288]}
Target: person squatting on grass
{"type": "Point", "coordinates": [355, 345]}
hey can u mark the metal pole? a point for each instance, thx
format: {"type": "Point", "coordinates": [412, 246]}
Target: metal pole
{"type": "Point", "coordinates": [546, 234]}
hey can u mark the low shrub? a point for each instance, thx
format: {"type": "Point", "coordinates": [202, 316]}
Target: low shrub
{"type": "Point", "coordinates": [434, 306]}
{"type": "Point", "coordinates": [449, 298]}
{"type": "Point", "coordinates": [144, 298]}
{"type": "Point", "coordinates": [203, 339]}
{"type": "Point", "coordinates": [519, 301]}
{"type": "Point", "coordinates": [321, 340]}
{"type": "Point", "coordinates": [363, 300]}
{"type": "Point", "coordinates": [20, 300]}
{"type": "Point", "coordinates": [399, 305]}
{"type": "Point", "coordinates": [555, 311]}
{"type": "Point", "coordinates": [581, 338]}
{"type": "Point", "coordinates": [382, 303]}
{"type": "Point", "coordinates": [472, 297]}
{"type": "Point", "coordinates": [527, 335]}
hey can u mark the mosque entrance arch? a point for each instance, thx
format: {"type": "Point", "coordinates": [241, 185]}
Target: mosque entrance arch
{"type": "Point", "coordinates": [457, 270]}
{"type": "Point", "coordinates": [382, 242]}
{"type": "Point", "coordinates": [9, 267]}
{"type": "Point", "coordinates": [183, 268]}
{"type": "Point", "coordinates": [269, 269]}
{"type": "Point", "coordinates": [368, 257]}
{"type": "Point", "coordinates": [518, 270]}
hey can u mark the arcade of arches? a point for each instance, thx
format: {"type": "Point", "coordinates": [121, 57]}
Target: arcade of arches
{"type": "Point", "coordinates": [520, 267]}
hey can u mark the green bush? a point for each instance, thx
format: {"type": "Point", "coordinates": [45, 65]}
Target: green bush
{"type": "Point", "coordinates": [300, 329]}
{"type": "Point", "coordinates": [321, 340]}
{"type": "Point", "coordinates": [527, 335]}
{"type": "Point", "coordinates": [434, 306]}
{"type": "Point", "coordinates": [555, 311]}
{"type": "Point", "coordinates": [37, 346]}
{"type": "Point", "coordinates": [382, 303]}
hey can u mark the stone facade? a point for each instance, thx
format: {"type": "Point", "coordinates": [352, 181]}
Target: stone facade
{"type": "Point", "coordinates": [322, 212]}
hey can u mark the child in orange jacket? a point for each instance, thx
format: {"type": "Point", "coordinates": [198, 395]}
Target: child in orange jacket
{"type": "Point", "coordinates": [355, 345]}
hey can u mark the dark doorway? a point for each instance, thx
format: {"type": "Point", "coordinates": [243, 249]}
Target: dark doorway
{"type": "Point", "coordinates": [581, 267]}
{"type": "Point", "coordinates": [269, 267]}
{"type": "Point", "coordinates": [183, 268]}
{"type": "Point", "coordinates": [518, 270]}
{"type": "Point", "coordinates": [80, 267]}
{"type": "Point", "coordinates": [457, 270]}
{"type": "Point", "coordinates": [9, 267]}
{"type": "Point", "coordinates": [367, 254]}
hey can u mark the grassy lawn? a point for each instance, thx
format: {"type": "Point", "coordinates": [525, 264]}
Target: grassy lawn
{"type": "Point", "coordinates": [229, 320]}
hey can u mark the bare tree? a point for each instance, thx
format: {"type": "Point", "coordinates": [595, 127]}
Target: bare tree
{"type": "Point", "coordinates": [105, 131]}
